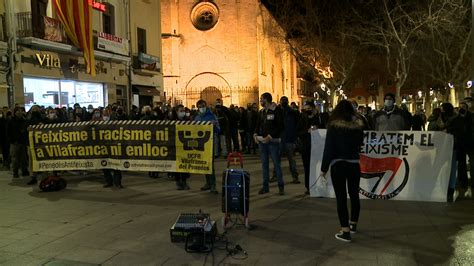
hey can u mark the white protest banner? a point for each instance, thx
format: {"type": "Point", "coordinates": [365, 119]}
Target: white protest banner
{"type": "Point", "coordinates": [399, 165]}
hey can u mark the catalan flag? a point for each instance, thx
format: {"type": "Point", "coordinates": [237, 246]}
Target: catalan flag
{"type": "Point", "coordinates": [76, 17]}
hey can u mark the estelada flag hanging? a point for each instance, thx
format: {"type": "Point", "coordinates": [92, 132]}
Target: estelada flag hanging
{"type": "Point", "coordinates": [76, 17]}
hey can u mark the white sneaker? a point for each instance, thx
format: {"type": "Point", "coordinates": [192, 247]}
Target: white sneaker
{"type": "Point", "coordinates": [468, 193]}
{"type": "Point", "coordinates": [455, 195]}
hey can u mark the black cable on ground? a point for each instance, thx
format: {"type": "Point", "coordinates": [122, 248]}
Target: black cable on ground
{"type": "Point", "coordinates": [221, 242]}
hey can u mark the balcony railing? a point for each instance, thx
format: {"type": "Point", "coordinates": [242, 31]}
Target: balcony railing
{"type": "Point", "coordinates": [47, 29]}
{"type": "Point", "coordinates": [147, 62]}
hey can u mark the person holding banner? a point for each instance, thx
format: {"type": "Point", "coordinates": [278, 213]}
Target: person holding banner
{"type": "Point", "coordinates": [205, 114]}
{"type": "Point", "coordinates": [309, 121]}
{"type": "Point", "coordinates": [455, 125]}
{"type": "Point", "coordinates": [390, 117]}
{"type": "Point", "coordinates": [341, 153]}
{"type": "Point", "coordinates": [114, 177]}
{"type": "Point", "coordinates": [181, 178]}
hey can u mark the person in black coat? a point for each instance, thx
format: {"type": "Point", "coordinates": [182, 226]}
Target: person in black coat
{"type": "Point", "coordinates": [460, 128]}
{"type": "Point", "coordinates": [308, 122]}
{"type": "Point", "coordinates": [35, 117]}
{"type": "Point", "coordinates": [243, 120]}
{"type": "Point", "coordinates": [289, 134]}
{"type": "Point", "coordinates": [3, 137]}
{"type": "Point", "coordinates": [268, 136]}
{"type": "Point", "coordinates": [114, 177]}
{"type": "Point", "coordinates": [181, 178]}
{"type": "Point", "coordinates": [17, 134]}
{"type": "Point", "coordinates": [341, 152]}
{"type": "Point", "coordinates": [252, 116]}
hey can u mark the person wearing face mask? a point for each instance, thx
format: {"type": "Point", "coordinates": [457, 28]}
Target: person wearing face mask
{"type": "Point", "coordinates": [205, 114]}
{"type": "Point", "coordinates": [120, 114]}
{"type": "Point", "coordinates": [268, 136]}
{"type": "Point", "coordinates": [288, 136]}
{"type": "Point", "coordinates": [187, 114]}
{"type": "Point", "coordinates": [390, 117]}
{"type": "Point", "coordinates": [96, 115]}
{"type": "Point", "coordinates": [52, 117]}
{"type": "Point", "coordinates": [181, 178]}
{"type": "Point", "coordinates": [308, 122]}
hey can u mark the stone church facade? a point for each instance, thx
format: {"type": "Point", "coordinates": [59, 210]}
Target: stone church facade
{"type": "Point", "coordinates": [228, 49]}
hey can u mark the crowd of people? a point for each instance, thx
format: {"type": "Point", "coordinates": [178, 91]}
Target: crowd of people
{"type": "Point", "coordinates": [275, 129]}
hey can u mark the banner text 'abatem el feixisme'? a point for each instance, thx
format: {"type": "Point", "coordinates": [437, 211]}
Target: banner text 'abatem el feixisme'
{"type": "Point", "coordinates": [167, 146]}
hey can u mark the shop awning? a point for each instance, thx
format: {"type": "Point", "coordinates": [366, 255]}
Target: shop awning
{"type": "Point", "coordinates": [145, 90]}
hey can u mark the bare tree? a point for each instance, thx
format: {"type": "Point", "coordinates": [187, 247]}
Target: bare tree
{"type": "Point", "coordinates": [317, 34]}
{"type": "Point", "coordinates": [404, 29]}
{"type": "Point", "coordinates": [447, 43]}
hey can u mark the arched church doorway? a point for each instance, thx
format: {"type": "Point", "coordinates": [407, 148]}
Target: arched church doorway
{"type": "Point", "coordinates": [208, 86]}
{"type": "Point", "coordinates": [211, 94]}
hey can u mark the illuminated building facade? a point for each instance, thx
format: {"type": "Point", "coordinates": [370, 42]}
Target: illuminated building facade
{"type": "Point", "coordinates": [228, 49]}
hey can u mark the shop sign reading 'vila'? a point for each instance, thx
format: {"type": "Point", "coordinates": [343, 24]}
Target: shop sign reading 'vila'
{"type": "Point", "coordinates": [48, 60]}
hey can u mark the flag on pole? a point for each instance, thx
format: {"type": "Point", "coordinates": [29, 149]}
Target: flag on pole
{"type": "Point", "coordinates": [76, 17]}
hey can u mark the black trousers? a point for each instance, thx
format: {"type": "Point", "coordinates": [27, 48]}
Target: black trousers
{"type": "Point", "coordinates": [345, 178]}
{"type": "Point", "coordinates": [462, 180]}
{"type": "Point", "coordinates": [113, 177]}
{"type": "Point", "coordinates": [306, 156]}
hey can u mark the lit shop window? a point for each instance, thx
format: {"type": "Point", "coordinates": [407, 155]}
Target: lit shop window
{"type": "Point", "coordinates": [59, 93]}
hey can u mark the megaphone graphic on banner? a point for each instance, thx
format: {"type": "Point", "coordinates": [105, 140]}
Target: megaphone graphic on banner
{"type": "Point", "coordinates": [376, 168]}
{"type": "Point", "coordinates": [194, 143]}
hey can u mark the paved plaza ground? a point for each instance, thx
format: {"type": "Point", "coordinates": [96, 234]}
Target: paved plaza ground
{"type": "Point", "coordinates": [89, 225]}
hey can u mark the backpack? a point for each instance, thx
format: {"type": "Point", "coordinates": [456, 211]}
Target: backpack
{"type": "Point", "coordinates": [52, 183]}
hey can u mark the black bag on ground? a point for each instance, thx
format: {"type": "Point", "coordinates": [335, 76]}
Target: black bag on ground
{"type": "Point", "coordinates": [52, 183]}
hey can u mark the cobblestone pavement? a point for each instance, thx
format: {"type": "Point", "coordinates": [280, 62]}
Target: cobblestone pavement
{"type": "Point", "coordinates": [89, 225]}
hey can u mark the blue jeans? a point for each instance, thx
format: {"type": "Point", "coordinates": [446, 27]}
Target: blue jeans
{"type": "Point", "coordinates": [271, 149]}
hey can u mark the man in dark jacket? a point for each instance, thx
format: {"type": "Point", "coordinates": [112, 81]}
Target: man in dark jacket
{"type": "Point", "coordinates": [223, 116]}
{"type": "Point", "coordinates": [3, 138]}
{"type": "Point", "coordinates": [455, 125]}
{"type": "Point", "coordinates": [470, 111]}
{"type": "Point", "coordinates": [390, 117]}
{"type": "Point", "coordinates": [35, 118]}
{"type": "Point", "coordinates": [467, 145]}
{"type": "Point", "coordinates": [252, 117]}
{"type": "Point", "coordinates": [114, 177]}
{"type": "Point", "coordinates": [268, 136]}
{"type": "Point", "coordinates": [289, 134]}
{"type": "Point", "coordinates": [17, 135]}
